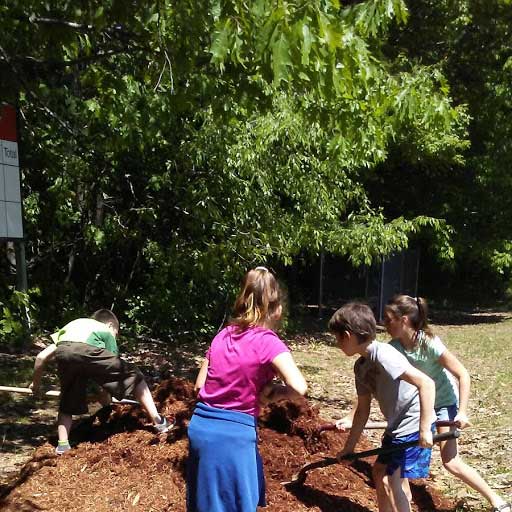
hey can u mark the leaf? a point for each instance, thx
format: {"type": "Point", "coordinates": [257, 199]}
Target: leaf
{"type": "Point", "coordinates": [220, 45]}
{"type": "Point", "coordinates": [306, 44]}
{"type": "Point", "coordinates": [281, 59]}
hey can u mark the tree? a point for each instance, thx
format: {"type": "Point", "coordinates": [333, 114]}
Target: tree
{"type": "Point", "coordinates": [471, 43]}
{"type": "Point", "coordinates": [168, 147]}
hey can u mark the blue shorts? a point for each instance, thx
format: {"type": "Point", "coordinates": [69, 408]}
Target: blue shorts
{"type": "Point", "coordinates": [447, 412]}
{"type": "Point", "coordinates": [414, 462]}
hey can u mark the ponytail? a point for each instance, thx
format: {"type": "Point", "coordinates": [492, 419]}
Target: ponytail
{"type": "Point", "coordinates": [414, 308]}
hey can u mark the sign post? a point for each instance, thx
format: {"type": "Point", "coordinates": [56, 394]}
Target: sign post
{"type": "Point", "coordinates": [11, 217]}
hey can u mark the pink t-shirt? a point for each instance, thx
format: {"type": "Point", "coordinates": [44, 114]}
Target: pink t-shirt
{"type": "Point", "coordinates": [240, 364]}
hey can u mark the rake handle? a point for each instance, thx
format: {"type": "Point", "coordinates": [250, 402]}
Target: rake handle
{"type": "Point", "coordinates": [329, 461]}
{"type": "Point", "coordinates": [454, 434]}
{"type": "Point", "coordinates": [26, 391]}
{"type": "Point", "coordinates": [380, 425]}
{"type": "Point", "coordinates": [54, 393]}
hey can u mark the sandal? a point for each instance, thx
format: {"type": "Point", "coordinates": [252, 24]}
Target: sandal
{"type": "Point", "coordinates": [506, 507]}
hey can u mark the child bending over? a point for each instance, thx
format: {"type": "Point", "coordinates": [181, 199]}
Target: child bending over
{"type": "Point", "coordinates": [405, 396]}
{"type": "Point", "coordinates": [86, 350]}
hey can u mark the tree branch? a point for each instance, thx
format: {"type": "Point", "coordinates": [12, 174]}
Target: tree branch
{"type": "Point", "coordinates": [62, 23]}
{"type": "Point", "coordinates": [82, 60]}
{"type": "Point", "coordinates": [36, 99]}
{"type": "Point", "coordinates": [117, 28]}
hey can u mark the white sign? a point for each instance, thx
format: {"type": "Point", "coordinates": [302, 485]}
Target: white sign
{"type": "Point", "coordinates": [10, 153]}
{"type": "Point", "coordinates": [11, 218]}
{"type": "Point", "coordinates": [14, 220]}
{"type": "Point", "coordinates": [2, 183]}
{"type": "Point", "coordinates": [3, 220]}
{"type": "Point", "coordinates": [12, 184]}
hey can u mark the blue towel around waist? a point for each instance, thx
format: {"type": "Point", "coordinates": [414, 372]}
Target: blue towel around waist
{"type": "Point", "coordinates": [206, 411]}
{"type": "Point", "coordinates": [224, 468]}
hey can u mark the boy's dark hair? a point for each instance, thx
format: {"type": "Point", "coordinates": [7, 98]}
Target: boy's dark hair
{"type": "Point", "coordinates": [356, 318]}
{"type": "Point", "coordinates": [106, 316]}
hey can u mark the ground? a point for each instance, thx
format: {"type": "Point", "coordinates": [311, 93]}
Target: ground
{"type": "Point", "coordinates": [476, 338]}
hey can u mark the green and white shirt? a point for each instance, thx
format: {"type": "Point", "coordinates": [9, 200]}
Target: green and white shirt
{"type": "Point", "coordinates": [425, 356]}
{"type": "Point", "coordinates": [87, 330]}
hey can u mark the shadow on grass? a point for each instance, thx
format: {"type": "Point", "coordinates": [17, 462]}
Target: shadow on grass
{"type": "Point", "coordinates": [340, 403]}
{"type": "Point", "coordinates": [305, 322]}
{"type": "Point", "coordinates": [31, 435]}
{"type": "Point", "coordinates": [444, 317]}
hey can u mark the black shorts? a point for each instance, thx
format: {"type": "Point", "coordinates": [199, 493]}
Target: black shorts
{"type": "Point", "coordinates": [78, 363]}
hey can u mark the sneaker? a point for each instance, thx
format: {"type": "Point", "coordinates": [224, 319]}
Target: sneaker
{"type": "Point", "coordinates": [62, 448]}
{"type": "Point", "coordinates": [165, 425]}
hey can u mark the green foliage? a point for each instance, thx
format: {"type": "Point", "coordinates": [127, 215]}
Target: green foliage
{"type": "Point", "coordinates": [169, 146]}
{"type": "Point", "coordinates": [17, 311]}
{"type": "Point", "coordinates": [471, 44]}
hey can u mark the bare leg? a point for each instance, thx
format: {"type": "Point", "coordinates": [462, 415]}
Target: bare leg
{"type": "Point", "coordinates": [407, 489]}
{"type": "Point", "coordinates": [64, 422]}
{"type": "Point", "coordinates": [384, 501]}
{"type": "Point", "coordinates": [143, 395]}
{"type": "Point", "coordinates": [457, 467]}
{"type": "Point", "coordinates": [400, 499]}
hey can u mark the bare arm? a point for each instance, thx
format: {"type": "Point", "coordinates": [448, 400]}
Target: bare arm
{"type": "Point", "coordinates": [361, 414]}
{"type": "Point", "coordinates": [455, 367]}
{"type": "Point", "coordinates": [41, 359]}
{"type": "Point", "coordinates": [201, 376]}
{"type": "Point", "coordinates": [345, 423]}
{"type": "Point", "coordinates": [427, 392]}
{"type": "Point", "coordinates": [295, 384]}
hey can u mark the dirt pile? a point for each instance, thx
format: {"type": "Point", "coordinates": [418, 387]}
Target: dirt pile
{"type": "Point", "coordinates": [120, 464]}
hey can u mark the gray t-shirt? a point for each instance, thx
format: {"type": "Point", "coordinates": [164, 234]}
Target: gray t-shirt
{"type": "Point", "coordinates": [378, 373]}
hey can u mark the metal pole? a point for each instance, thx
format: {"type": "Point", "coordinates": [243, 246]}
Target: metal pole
{"type": "Point", "coordinates": [21, 266]}
{"type": "Point", "coordinates": [381, 291]}
{"type": "Point", "coordinates": [418, 254]}
{"type": "Point", "coordinates": [321, 286]}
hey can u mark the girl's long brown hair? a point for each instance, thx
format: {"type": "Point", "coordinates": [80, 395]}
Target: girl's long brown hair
{"type": "Point", "coordinates": [258, 299]}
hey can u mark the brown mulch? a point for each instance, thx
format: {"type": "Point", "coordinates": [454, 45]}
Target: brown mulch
{"type": "Point", "coordinates": [120, 464]}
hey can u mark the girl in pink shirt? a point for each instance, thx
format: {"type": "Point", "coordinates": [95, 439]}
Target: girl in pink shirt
{"type": "Point", "coordinates": [224, 470]}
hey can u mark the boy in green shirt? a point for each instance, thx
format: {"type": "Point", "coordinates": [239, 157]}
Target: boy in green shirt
{"type": "Point", "coordinates": [86, 349]}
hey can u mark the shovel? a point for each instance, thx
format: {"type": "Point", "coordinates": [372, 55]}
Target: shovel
{"type": "Point", "coordinates": [299, 478]}
{"type": "Point", "coordinates": [375, 425]}
{"type": "Point", "coordinates": [54, 393]}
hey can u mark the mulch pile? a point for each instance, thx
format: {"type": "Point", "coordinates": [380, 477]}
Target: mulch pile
{"type": "Point", "coordinates": [120, 464]}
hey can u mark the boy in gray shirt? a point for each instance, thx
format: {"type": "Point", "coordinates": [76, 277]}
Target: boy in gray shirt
{"type": "Point", "coordinates": [406, 399]}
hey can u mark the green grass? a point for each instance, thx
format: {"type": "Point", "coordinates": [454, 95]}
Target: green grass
{"type": "Point", "coordinates": [16, 371]}
{"type": "Point", "coordinates": [482, 346]}
{"type": "Point", "coordinates": [484, 349]}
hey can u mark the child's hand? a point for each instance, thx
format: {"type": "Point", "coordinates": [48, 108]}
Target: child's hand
{"type": "Point", "coordinates": [462, 420]}
{"type": "Point", "coordinates": [35, 387]}
{"type": "Point", "coordinates": [344, 424]}
{"type": "Point", "coordinates": [340, 455]}
{"type": "Point", "coordinates": [425, 439]}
